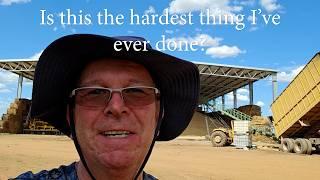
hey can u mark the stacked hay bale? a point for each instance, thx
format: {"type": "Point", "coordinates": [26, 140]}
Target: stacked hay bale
{"type": "Point", "coordinates": [16, 115]}
{"type": "Point", "coordinates": [251, 110]}
{"type": "Point", "coordinates": [262, 130]}
{"type": "Point", "coordinates": [260, 121]}
{"type": "Point", "coordinates": [1, 126]}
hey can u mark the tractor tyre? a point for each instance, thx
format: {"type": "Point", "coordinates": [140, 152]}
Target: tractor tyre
{"type": "Point", "coordinates": [218, 139]}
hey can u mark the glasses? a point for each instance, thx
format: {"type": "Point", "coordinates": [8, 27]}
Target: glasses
{"type": "Point", "coordinates": [100, 96]}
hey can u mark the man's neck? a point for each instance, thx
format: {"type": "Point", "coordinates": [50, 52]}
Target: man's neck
{"type": "Point", "coordinates": [83, 174]}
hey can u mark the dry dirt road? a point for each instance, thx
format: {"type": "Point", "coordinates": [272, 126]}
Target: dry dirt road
{"type": "Point", "coordinates": [177, 159]}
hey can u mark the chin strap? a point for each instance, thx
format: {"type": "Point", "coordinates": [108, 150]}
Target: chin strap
{"type": "Point", "coordinates": [156, 133]}
{"type": "Point", "coordinates": [75, 139]}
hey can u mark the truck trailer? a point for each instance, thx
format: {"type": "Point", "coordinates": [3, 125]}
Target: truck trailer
{"type": "Point", "coordinates": [296, 111]}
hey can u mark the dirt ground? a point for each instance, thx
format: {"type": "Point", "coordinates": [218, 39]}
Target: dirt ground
{"type": "Point", "coordinates": [183, 158]}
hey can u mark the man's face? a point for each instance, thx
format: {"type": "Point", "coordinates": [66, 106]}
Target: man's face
{"type": "Point", "coordinates": [92, 124]}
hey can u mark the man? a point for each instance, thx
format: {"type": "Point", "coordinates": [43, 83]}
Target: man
{"type": "Point", "coordinates": [113, 104]}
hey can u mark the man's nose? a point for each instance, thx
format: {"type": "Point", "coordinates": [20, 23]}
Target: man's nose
{"type": "Point", "coordinates": [116, 105]}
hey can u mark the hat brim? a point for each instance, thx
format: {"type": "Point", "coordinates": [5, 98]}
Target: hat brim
{"type": "Point", "coordinates": [62, 61]}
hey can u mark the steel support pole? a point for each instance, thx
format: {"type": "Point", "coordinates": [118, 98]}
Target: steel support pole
{"type": "Point", "coordinates": [251, 93]}
{"type": "Point", "coordinates": [19, 89]}
{"type": "Point", "coordinates": [235, 99]}
{"type": "Point", "coordinates": [213, 103]}
{"type": "Point", "coordinates": [223, 102]}
{"type": "Point", "coordinates": [274, 86]}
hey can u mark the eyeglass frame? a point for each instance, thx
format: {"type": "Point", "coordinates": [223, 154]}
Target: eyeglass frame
{"type": "Point", "coordinates": [111, 90]}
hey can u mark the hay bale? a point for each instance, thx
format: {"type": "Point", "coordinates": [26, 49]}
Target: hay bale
{"type": "Point", "coordinates": [21, 104]}
{"type": "Point", "coordinates": [251, 110]}
{"type": "Point", "coordinates": [12, 111]}
{"type": "Point", "coordinates": [16, 115]}
{"type": "Point", "coordinates": [5, 126]}
{"type": "Point", "coordinates": [15, 125]}
{"type": "Point", "coordinates": [14, 105]}
{"type": "Point", "coordinates": [259, 120]}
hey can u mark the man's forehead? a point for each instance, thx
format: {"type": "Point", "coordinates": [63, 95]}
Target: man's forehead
{"type": "Point", "coordinates": [99, 81]}
{"type": "Point", "coordinates": [116, 62]}
{"type": "Point", "coordinates": [98, 71]}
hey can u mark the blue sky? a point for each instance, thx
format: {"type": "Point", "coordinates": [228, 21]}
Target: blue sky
{"type": "Point", "coordinates": [285, 47]}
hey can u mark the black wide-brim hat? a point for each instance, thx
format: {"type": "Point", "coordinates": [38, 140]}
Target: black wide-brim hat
{"type": "Point", "coordinates": [61, 63]}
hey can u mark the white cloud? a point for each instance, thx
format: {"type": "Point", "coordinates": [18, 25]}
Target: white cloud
{"type": "Point", "coordinates": [245, 2]}
{"type": "Point", "coordinates": [130, 32]}
{"type": "Point", "coordinates": [224, 51]}
{"type": "Point", "coordinates": [287, 76]}
{"type": "Point", "coordinates": [27, 82]}
{"type": "Point", "coordinates": [10, 2]}
{"type": "Point", "coordinates": [215, 50]}
{"type": "Point", "coordinates": [223, 9]}
{"type": "Point", "coordinates": [169, 31]}
{"type": "Point", "coordinates": [260, 103]}
{"type": "Point", "coordinates": [150, 10]}
{"type": "Point", "coordinates": [8, 77]}
{"type": "Point", "coordinates": [185, 6]}
{"type": "Point", "coordinates": [203, 40]}
{"type": "Point", "coordinates": [207, 40]}
{"type": "Point", "coordinates": [243, 91]}
{"type": "Point", "coordinates": [55, 28]}
{"type": "Point", "coordinates": [237, 8]}
{"type": "Point", "coordinates": [4, 89]}
{"type": "Point", "coordinates": [242, 95]}
{"type": "Point", "coordinates": [36, 55]}
{"type": "Point", "coordinates": [250, 18]}
{"type": "Point", "coordinates": [270, 5]}
{"type": "Point", "coordinates": [3, 106]}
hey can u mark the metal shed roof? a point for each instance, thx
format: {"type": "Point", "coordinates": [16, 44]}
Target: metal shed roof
{"type": "Point", "coordinates": [219, 79]}
{"type": "Point", "coordinates": [215, 79]}
{"type": "Point", "coordinates": [25, 67]}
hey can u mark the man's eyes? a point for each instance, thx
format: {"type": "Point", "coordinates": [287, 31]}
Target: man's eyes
{"type": "Point", "coordinates": [134, 90]}
{"type": "Point", "coordinates": [96, 91]}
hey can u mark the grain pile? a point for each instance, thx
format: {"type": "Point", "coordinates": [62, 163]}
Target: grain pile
{"type": "Point", "coordinates": [197, 126]}
{"type": "Point", "coordinates": [15, 116]}
{"type": "Point", "coordinates": [263, 138]}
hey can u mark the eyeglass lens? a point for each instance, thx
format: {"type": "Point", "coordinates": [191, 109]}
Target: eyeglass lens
{"type": "Point", "coordinates": [99, 97]}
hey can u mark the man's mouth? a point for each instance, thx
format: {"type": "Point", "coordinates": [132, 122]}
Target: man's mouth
{"type": "Point", "coordinates": [116, 134]}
